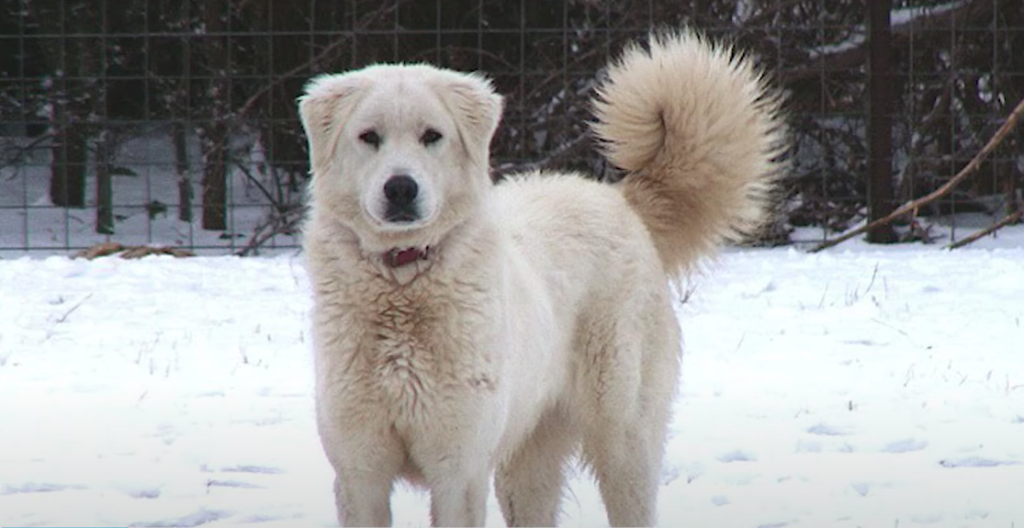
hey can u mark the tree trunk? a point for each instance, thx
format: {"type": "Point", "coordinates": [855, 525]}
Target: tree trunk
{"type": "Point", "coordinates": [180, 17]}
{"type": "Point", "coordinates": [104, 185]}
{"type": "Point", "coordinates": [214, 133]}
{"type": "Point", "coordinates": [70, 93]}
{"type": "Point", "coordinates": [880, 175]}
{"type": "Point", "coordinates": [68, 161]}
{"type": "Point", "coordinates": [179, 138]}
{"type": "Point", "coordinates": [94, 59]}
{"type": "Point", "coordinates": [213, 143]}
{"type": "Point", "coordinates": [70, 134]}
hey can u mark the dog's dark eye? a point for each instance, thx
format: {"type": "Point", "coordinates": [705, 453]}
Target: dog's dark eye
{"type": "Point", "coordinates": [370, 137]}
{"type": "Point", "coordinates": [430, 137]}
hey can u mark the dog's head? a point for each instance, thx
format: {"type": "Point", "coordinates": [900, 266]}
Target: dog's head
{"type": "Point", "coordinates": [399, 153]}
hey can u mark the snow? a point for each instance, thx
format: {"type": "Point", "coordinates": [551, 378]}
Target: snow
{"type": "Point", "coordinates": [854, 387]}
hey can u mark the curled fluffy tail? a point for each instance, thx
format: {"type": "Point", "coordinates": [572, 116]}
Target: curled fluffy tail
{"type": "Point", "coordinates": [699, 133]}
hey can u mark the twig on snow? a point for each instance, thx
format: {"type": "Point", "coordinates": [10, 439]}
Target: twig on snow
{"type": "Point", "coordinates": [64, 317]}
{"type": "Point", "coordinates": [1011, 218]}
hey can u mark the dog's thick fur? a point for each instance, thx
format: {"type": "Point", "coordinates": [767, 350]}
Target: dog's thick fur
{"type": "Point", "coordinates": [534, 320]}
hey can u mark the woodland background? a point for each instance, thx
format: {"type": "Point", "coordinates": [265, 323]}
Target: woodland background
{"type": "Point", "coordinates": [212, 86]}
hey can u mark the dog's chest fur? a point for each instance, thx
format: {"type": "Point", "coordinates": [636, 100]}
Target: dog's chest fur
{"type": "Point", "coordinates": [417, 345]}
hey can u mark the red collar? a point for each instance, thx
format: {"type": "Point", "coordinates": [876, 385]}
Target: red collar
{"type": "Point", "coordinates": [397, 258]}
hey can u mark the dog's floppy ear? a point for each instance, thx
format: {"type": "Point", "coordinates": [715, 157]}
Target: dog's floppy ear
{"type": "Point", "coordinates": [471, 98]}
{"type": "Point", "coordinates": [324, 108]}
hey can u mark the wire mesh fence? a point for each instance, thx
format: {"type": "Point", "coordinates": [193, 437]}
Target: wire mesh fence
{"type": "Point", "coordinates": [156, 122]}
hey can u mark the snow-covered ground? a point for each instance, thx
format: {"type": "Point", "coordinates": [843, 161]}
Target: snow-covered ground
{"type": "Point", "coordinates": [856, 387]}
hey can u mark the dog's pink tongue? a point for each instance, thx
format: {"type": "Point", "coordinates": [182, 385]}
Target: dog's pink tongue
{"type": "Point", "coordinates": [400, 257]}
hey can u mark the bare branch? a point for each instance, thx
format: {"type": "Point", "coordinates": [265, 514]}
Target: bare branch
{"type": "Point", "coordinates": [914, 205]}
{"type": "Point", "coordinates": [282, 223]}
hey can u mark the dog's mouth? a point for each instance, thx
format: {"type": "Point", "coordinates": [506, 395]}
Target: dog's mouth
{"type": "Point", "coordinates": [388, 220]}
{"type": "Point", "coordinates": [398, 257]}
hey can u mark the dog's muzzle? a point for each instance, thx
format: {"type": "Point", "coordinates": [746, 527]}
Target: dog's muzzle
{"type": "Point", "coordinates": [401, 191]}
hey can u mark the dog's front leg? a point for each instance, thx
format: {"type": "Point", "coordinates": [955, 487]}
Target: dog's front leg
{"type": "Point", "coordinates": [362, 502]}
{"type": "Point", "coordinates": [457, 467]}
{"type": "Point", "coordinates": [366, 463]}
{"type": "Point", "coordinates": [459, 501]}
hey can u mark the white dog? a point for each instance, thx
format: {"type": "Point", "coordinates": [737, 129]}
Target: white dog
{"type": "Point", "coordinates": [464, 329]}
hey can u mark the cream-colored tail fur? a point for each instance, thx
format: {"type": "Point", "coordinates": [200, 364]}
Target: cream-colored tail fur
{"type": "Point", "coordinates": [700, 135]}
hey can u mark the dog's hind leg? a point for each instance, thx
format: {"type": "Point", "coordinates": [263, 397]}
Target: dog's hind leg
{"type": "Point", "coordinates": [529, 484]}
{"type": "Point", "coordinates": [627, 467]}
{"type": "Point", "coordinates": [624, 442]}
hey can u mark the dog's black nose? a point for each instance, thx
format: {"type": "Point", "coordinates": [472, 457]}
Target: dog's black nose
{"type": "Point", "coordinates": [400, 190]}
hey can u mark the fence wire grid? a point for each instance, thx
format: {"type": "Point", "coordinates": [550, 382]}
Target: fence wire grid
{"type": "Point", "coordinates": [160, 122]}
